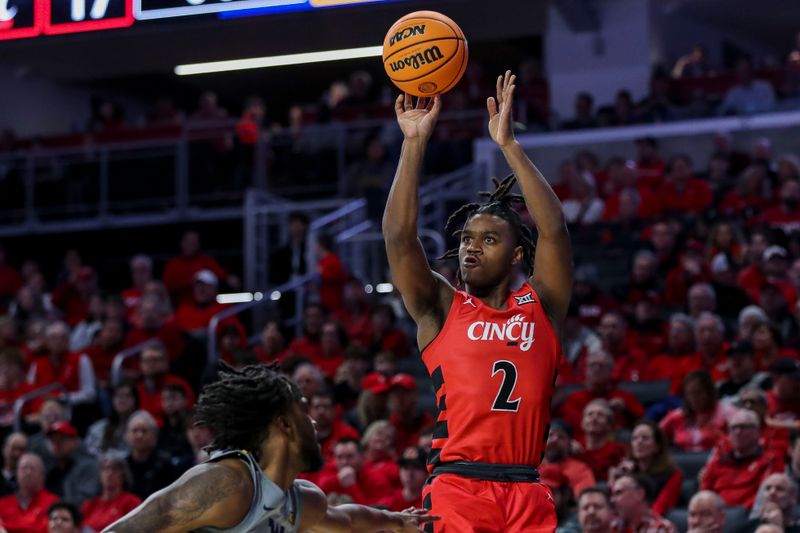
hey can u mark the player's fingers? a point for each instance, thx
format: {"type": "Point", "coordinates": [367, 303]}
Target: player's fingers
{"type": "Point", "coordinates": [398, 105]}
{"type": "Point", "coordinates": [421, 102]}
{"type": "Point", "coordinates": [408, 102]}
{"type": "Point", "coordinates": [506, 78]}
{"type": "Point", "coordinates": [491, 106]}
{"type": "Point", "coordinates": [436, 104]}
{"type": "Point", "coordinates": [423, 519]}
{"type": "Point", "coordinates": [499, 88]}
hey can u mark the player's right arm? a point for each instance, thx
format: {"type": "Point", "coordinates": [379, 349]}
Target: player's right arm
{"type": "Point", "coordinates": [211, 494]}
{"type": "Point", "coordinates": [426, 295]}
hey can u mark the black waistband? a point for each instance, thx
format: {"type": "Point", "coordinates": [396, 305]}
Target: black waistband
{"type": "Point", "coordinates": [489, 471]}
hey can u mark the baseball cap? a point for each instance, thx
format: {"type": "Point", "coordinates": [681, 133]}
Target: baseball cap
{"type": "Point", "coordinates": [403, 381]}
{"type": "Point", "coordinates": [552, 475]}
{"type": "Point", "coordinates": [206, 276]}
{"type": "Point", "coordinates": [786, 366]}
{"type": "Point", "coordinates": [775, 251]}
{"type": "Point", "coordinates": [413, 457]}
{"type": "Point", "coordinates": [63, 428]}
{"type": "Point", "coordinates": [740, 347]}
{"type": "Point", "coordinates": [375, 382]}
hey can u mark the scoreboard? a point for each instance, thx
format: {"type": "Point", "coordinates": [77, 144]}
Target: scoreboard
{"type": "Point", "coordinates": [30, 18]}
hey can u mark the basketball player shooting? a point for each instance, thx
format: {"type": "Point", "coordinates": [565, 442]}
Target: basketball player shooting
{"type": "Point", "coordinates": [491, 351]}
{"type": "Point", "coordinates": [263, 439]}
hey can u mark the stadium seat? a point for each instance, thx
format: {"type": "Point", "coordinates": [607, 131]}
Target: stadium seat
{"type": "Point", "coordinates": [735, 518]}
{"type": "Point", "coordinates": [647, 392]}
{"type": "Point", "coordinates": [679, 517]}
{"type": "Point", "coordinates": [688, 489]}
{"type": "Point", "coordinates": [690, 463]}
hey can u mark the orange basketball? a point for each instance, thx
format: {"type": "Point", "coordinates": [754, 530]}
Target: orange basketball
{"type": "Point", "coordinates": [425, 53]}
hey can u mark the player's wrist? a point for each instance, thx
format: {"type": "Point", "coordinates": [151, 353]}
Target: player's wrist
{"type": "Point", "coordinates": [509, 145]}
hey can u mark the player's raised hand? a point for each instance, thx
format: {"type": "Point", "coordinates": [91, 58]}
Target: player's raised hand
{"type": "Point", "coordinates": [501, 127]}
{"type": "Point", "coordinates": [417, 121]}
{"type": "Point", "coordinates": [413, 518]}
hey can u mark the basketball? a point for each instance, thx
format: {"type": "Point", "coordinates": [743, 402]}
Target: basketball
{"type": "Point", "coordinates": [425, 53]}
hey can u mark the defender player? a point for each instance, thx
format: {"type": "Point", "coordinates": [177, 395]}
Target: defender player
{"type": "Point", "coordinates": [263, 438]}
{"type": "Point", "coordinates": [491, 351]}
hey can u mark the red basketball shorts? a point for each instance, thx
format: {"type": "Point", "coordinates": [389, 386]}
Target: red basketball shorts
{"type": "Point", "coordinates": [476, 506]}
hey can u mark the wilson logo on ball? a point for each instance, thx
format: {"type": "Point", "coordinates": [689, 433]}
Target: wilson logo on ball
{"type": "Point", "coordinates": [405, 33]}
{"type": "Point", "coordinates": [431, 55]}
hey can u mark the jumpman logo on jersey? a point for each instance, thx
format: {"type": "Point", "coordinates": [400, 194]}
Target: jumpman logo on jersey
{"type": "Point", "coordinates": [469, 301]}
{"type": "Point", "coordinates": [525, 299]}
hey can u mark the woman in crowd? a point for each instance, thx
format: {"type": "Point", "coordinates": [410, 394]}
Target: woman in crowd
{"type": "Point", "coordinates": [114, 501]}
{"type": "Point", "coordinates": [108, 434]}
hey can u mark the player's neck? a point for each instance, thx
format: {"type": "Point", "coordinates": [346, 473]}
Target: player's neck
{"type": "Point", "coordinates": [495, 297]}
{"type": "Point", "coordinates": [277, 464]}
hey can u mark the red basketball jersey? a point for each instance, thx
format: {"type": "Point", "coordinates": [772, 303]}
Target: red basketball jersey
{"type": "Point", "coordinates": [494, 373]}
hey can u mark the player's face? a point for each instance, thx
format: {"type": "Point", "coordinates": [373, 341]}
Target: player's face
{"type": "Point", "coordinates": [488, 250]}
{"type": "Point", "coordinates": [308, 447]}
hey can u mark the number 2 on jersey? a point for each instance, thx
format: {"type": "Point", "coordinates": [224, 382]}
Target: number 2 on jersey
{"type": "Point", "coordinates": [502, 401]}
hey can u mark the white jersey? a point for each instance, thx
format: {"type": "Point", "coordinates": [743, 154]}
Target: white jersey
{"type": "Point", "coordinates": [272, 510]}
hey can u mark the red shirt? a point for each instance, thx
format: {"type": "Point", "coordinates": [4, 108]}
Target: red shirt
{"type": "Point", "coordinates": [30, 520]}
{"type": "Point", "coordinates": [170, 334]}
{"type": "Point", "coordinates": [131, 296]}
{"type": "Point", "coordinates": [333, 277]}
{"type": "Point", "coordinates": [102, 360]}
{"type": "Point", "coordinates": [630, 364]}
{"type": "Point", "coordinates": [399, 503]}
{"type": "Point", "coordinates": [737, 480]}
{"type": "Point", "coordinates": [180, 270]}
{"type": "Point", "coordinates": [669, 494]}
{"type": "Point", "coordinates": [780, 409]}
{"type": "Point", "coordinates": [694, 198]}
{"type": "Point", "coordinates": [99, 513]}
{"type": "Point", "coordinates": [777, 217]}
{"type": "Point", "coordinates": [672, 367]}
{"type": "Point", "coordinates": [651, 173]}
{"type": "Point", "coordinates": [578, 474]}
{"type": "Point", "coordinates": [150, 400]}
{"type": "Point", "coordinates": [7, 399]}
{"type": "Point", "coordinates": [493, 383]}
{"type": "Point", "coordinates": [750, 280]}
{"type": "Point", "coordinates": [67, 372]}
{"type": "Point", "coordinates": [572, 408]}
{"type": "Point", "coordinates": [696, 435]}
{"type": "Point", "coordinates": [604, 457]}
{"type": "Point", "coordinates": [10, 281]}
{"type": "Point", "coordinates": [408, 434]}
{"type": "Point", "coordinates": [734, 204]}
{"type": "Point", "coordinates": [67, 299]}
{"type": "Point", "coordinates": [387, 468]}
{"type": "Point", "coordinates": [650, 523]}
{"type": "Point", "coordinates": [305, 347]}
{"type": "Point", "coordinates": [394, 341]}
{"type": "Point", "coordinates": [648, 205]}
{"type": "Point", "coordinates": [370, 488]}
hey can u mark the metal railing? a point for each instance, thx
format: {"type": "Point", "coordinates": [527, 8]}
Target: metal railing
{"type": "Point", "coordinates": [20, 403]}
{"type": "Point", "coordinates": [115, 377]}
{"type": "Point", "coordinates": [267, 297]}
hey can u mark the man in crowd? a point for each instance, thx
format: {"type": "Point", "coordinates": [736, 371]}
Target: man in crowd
{"type": "Point", "coordinates": [154, 363]}
{"type": "Point", "coordinates": [558, 452]}
{"type": "Point", "coordinates": [180, 270]}
{"type": "Point", "coordinates": [353, 479]}
{"type": "Point", "coordinates": [594, 511]}
{"type": "Point", "coordinates": [406, 416]}
{"type": "Point", "coordinates": [779, 507]}
{"type": "Point", "coordinates": [330, 429]}
{"type": "Point", "coordinates": [14, 446]}
{"type": "Point", "coordinates": [63, 517]}
{"type": "Point", "coordinates": [736, 475]}
{"type": "Point", "coordinates": [151, 468]}
{"type": "Point", "coordinates": [706, 513]}
{"type": "Point", "coordinates": [741, 371]}
{"type": "Point", "coordinates": [629, 497]}
{"type": "Point", "coordinates": [74, 475]}
{"type": "Point", "coordinates": [413, 473]}
{"type": "Point", "coordinates": [25, 511]}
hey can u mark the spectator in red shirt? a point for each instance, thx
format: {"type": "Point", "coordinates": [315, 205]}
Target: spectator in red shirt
{"type": "Point", "coordinates": [333, 340]}
{"type": "Point", "coordinates": [379, 450]}
{"type": "Point", "coordinates": [153, 324]}
{"type": "Point", "coordinates": [749, 198]}
{"type": "Point", "coordinates": [10, 280]}
{"type": "Point", "coordinates": [650, 458]}
{"type": "Point", "coordinates": [385, 336]}
{"type": "Point", "coordinates": [193, 315]}
{"type": "Point", "coordinates": [700, 423]}
{"type": "Point", "coordinates": [413, 473]}
{"type": "Point", "coordinates": [644, 278]}
{"type": "Point", "coordinates": [332, 274]}
{"type": "Point", "coordinates": [273, 344]}
{"type": "Point", "coordinates": [783, 400]}
{"type": "Point", "coordinates": [650, 164]}
{"type": "Point", "coordinates": [599, 385]}
{"type": "Point", "coordinates": [690, 271]}
{"type": "Point", "coordinates": [12, 384]}
{"type": "Point", "coordinates": [634, 515]}
{"type": "Point", "coordinates": [749, 319]}
{"type": "Point", "coordinates": [553, 478]}
{"type": "Point", "coordinates": [180, 270]}
{"type": "Point", "coordinates": [776, 269]}
{"type": "Point", "coordinates": [308, 378]}
{"type": "Point", "coordinates": [330, 429]}
{"type": "Point", "coordinates": [154, 363]}
{"type": "Point", "coordinates": [629, 361]}
{"type": "Point", "coordinates": [592, 303]}
{"type": "Point", "coordinates": [664, 242]}
{"type": "Point", "coordinates": [623, 179]}
{"type": "Point", "coordinates": [701, 298]}
{"type": "Point", "coordinates": [354, 314]}
{"type": "Point", "coordinates": [308, 345]}
{"type": "Point", "coordinates": [354, 480]}
{"type": "Point", "coordinates": [106, 345]}
{"type": "Point", "coordinates": [72, 370]}
{"type": "Point", "coordinates": [786, 215]}
{"type": "Point", "coordinates": [601, 450]}
{"type": "Point", "coordinates": [372, 402]}
{"type": "Point", "coordinates": [680, 357]}
{"type": "Point", "coordinates": [249, 125]}
{"type": "Point", "coordinates": [406, 416]}
{"type": "Point", "coordinates": [752, 277]}
{"type": "Point", "coordinates": [559, 452]}
{"type": "Point", "coordinates": [710, 334]}
{"type": "Point", "coordinates": [767, 345]}
{"type": "Point", "coordinates": [72, 297]}
{"type": "Point", "coordinates": [141, 274]}
{"type": "Point", "coordinates": [736, 475]}
{"type": "Point", "coordinates": [25, 511]}
{"type": "Point", "coordinates": [681, 192]}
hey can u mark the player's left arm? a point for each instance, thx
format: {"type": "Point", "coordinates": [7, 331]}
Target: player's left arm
{"type": "Point", "coordinates": [552, 268]}
{"type": "Point", "coordinates": [319, 517]}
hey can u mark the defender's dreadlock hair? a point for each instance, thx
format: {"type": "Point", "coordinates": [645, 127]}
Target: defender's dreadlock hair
{"type": "Point", "coordinates": [241, 405]}
{"type": "Point", "coordinates": [500, 203]}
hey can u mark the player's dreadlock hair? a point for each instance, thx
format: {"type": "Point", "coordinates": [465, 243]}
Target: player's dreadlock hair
{"type": "Point", "coordinates": [500, 202]}
{"type": "Point", "coordinates": [240, 406]}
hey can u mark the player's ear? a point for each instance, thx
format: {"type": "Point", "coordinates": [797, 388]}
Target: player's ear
{"type": "Point", "coordinates": [285, 425]}
{"type": "Point", "coordinates": [519, 253]}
